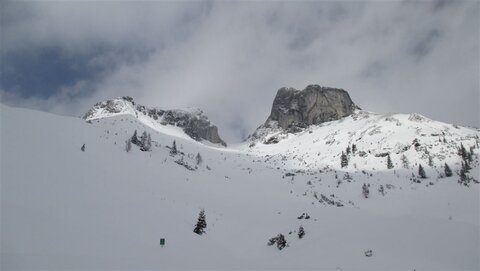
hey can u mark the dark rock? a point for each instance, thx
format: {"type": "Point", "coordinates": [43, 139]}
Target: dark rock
{"type": "Point", "coordinates": [313, 105]}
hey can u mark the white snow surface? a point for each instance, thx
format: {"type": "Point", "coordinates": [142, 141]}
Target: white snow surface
{"type": "Point", "coordinates": [106, 208]}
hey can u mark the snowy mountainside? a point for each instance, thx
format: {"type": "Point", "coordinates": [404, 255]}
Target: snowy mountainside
{"type": "Point", "coordinates": [192, 120]}
{"type": "Point", "coordinates": [375, 136]}
{"type": "Point", "coordinates": [106, 208]}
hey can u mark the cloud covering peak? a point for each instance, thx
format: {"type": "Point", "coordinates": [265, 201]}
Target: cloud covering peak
{"type": "Point", "coordinates": [229, 58]}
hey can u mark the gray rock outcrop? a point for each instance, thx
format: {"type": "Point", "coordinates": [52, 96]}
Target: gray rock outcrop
{"type": "Point", "coordinates": [314, 105]}
{"type": "Point", "coordinates": [193, 122]}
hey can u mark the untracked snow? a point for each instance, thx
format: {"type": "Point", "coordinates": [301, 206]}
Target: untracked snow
{"type": "Point", "coordinates": [105, 208]}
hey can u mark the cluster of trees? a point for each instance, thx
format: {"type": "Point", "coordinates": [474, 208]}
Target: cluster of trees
{"type": "Point", "coordinates": [281, 241]}
{"type": "Point", "coordinates": [144, 142]}
{"type": "Point", "coordinates": [345, 155]}
{"type": "Point", "coordinates": [467, 159]}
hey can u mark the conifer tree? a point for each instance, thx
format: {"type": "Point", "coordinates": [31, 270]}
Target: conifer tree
{"type": "Point", "coordinates": [405, 163]}
{"type": "Point", "coordinates": [354, 149]}
{"type": "Point", "coordinates": [128, 145]}
{"type": "Point", "coordinates": [389, 162]}
{"type": "Point", "coordinates": [199, 159]}
{"type": "Point", "coordinates": [281, 242]}
{"type": "Point", "coordinates": [83, 147]}
{"type": "Point", "coordinates": [421, 172]}
{"type": "Point", "coordinates": [145, 141]}
{"type": "Point", "coordinates": [348, 150]}
{"type": "Point", "coordinates": [381, 190]}
{"type": "Point", "coordinates": [365, 191]}
{"type": "Point", "coordinates": [201, 223]}
{"type": "Point", "coordinates": [448, 171]}
{"type": "Point", "coordinates": [173, 149]}
{"type": "Point", "coordinates": [301, 232]}
{"type": "Point", "coordinates": [134, 138]}
{"type": "Point", "coordinates": [344, 160]}
{"type": "Point", "coordinates": [463, 176]}
{"type": "Point", "coordinates": [430, 161]}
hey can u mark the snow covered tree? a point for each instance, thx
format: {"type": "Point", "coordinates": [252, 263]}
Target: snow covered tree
{"type": "Point", "coordinates": [463, 176]}
{"type": "Point", "coordinates": [405, 163]}
{"type": "Point", "coordinates": [344, 160]}
{"type": "Point", "coordinates": [134, 138]}
{"type": "Point", "coordinates": [421, 172]}
{"type": "Point", "coordinates": [389, 162]}
{"type": "Point", "coordinates": [365, 191]}
{"type": "Point", "coordinates": [301, 232]}
{"type": "Point", "coordinates": [279, 240]}
{"type": "Point", "coordinates": [199, 159]}
{"type": "Point", "coordinates": [448, 171]}
{"type": "Point", "coordinates": [354, 149]}
{"type": "Point", "coordinates": [430, 161]}
{"type": "Point", "coordinates": [201, 223]}
{"type": "Point", "coordinates": [348, 150]}
{"type": "Point", "coordinates": [145, 142]}
{"type": "Point", "coordinates": [128, 145]}
{"type": "Point", "coordinates": [173, 149]}
{"type": "Point", "coordinates": [381, 190]}
{"type": "Point", "coordinates": [462, 151]}
{"type": "Point", "coordinates": [83, 147]}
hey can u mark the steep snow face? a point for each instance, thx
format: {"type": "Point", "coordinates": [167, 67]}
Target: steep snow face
{"type": "Point", "coordinates": [192, 120]}
{"type": "Point", "coordinates": [106, 208]}
{"type": "Point", "coordinates": [374, 136]}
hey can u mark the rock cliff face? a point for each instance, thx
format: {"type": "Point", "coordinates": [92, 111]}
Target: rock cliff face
{"type": "Point", "coordinates": [313, 105]}
{"type": "Point", "coordinates": [294, 110]}
{"type": "Point", "coordinates": [193, 122]}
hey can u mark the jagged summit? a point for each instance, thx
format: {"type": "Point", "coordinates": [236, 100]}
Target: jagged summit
{"type": "Point", "coordinates": [192, 120]}
{"type": "Point", "coordinates": [312, 105]}
{"type": "Point", "coordinates": [293, 110]}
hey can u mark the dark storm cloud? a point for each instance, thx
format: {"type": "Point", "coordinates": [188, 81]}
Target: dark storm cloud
{"type": "Point", "coordinates": [229, 58]}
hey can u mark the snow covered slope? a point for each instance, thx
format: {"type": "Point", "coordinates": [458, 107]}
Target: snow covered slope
{"type": "Point", "coordinates": [419, 139]}
{"type": "Point", "coordinates": [106, 208]}
{"type": "Point", "coordinates": [192, 121]}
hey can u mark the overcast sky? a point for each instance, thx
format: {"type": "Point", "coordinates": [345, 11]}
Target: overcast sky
{"type": "Point", "coordinates": [230, 58]}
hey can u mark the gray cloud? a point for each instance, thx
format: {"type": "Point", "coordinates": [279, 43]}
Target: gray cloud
{"type": "Point", "coordinates": [229, 58]}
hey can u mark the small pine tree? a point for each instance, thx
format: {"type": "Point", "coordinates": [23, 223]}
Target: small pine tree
{"type": "Point", "coordinates": [83, 147]}
{"type": "Point", "coordinates": [173, 149]}
{"type": "Point", "coordinates": [134, 138]}
{"type": "Point", "coordinates": [463, 177]}
{"type": "Point", "coordinates": [199, 159]}
{"type": "Point", "coordinates": [354, 149]}
{"type": "Point", "coordinates": [405, 163]}
{"type": "Point", "coordinates": [201, 223]}
{"type": "Point", "coordinates": [381, 190]}
{"type": "Point", "coordinates": [145, 143]}
{"type": "Point", "coordinates": [365, 191]}
{"type": "Point", "coordinates": [301, 232]}
{"type": "Point", "coordinates": [344, 160]}
{"type": "Point", "coordinates": [128, 145]}
{"type": "Point", "coordinates": [281, 242]}
{"type": "Point", "coordinates": [421, 172]}
{"type": "Point", "coordinates": [448, 171]}
{"type": "Point", "coordinates": [389, 162]}
{"type": "Point", "coordinates": [348, 150]}
{"type": "Point", "coordinates": [462, 152]}
{"type": "Point", "coordinates": [430, 161]}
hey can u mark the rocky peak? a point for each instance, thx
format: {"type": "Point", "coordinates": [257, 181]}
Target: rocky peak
{"type": "Point", "coordinates": [193, 121]}
{"type": "Point", "coordinates": [310, 106]}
